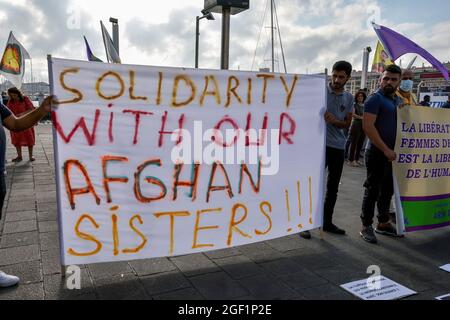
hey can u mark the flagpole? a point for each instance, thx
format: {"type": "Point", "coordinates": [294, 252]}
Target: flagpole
{"type": "Point", "coordinates": [31, 69]}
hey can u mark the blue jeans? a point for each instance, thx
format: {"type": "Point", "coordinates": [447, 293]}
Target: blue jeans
{"type": "Point", "coordinates": [2, 192]}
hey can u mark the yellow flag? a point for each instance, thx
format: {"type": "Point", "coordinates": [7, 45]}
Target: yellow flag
{"type": "Point", "coordinates": [381, 59]}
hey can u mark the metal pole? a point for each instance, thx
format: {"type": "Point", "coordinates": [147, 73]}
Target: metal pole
{"type": "Point", "coordinates": [365, 68]}
{"type": "Point", "coordinates": [225, 54]}
{"type": "Point", "coordinates": [279, 35]}
{"type": "Point", "coordinates": [115, 30]}
{"type": "Point", "coordinates": [272, 31]}
{"type": "Point", "coordinates": [197, 35]}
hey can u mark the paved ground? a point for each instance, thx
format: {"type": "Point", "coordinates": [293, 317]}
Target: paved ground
{"type": "Point", "coordinates": [286, 268]}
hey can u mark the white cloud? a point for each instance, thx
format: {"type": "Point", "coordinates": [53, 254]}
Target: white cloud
{"type": "Point", "coordinates": [315, 32]}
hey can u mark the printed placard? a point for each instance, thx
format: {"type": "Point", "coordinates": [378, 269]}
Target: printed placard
{"type": "Point", "coordinates": [377, 288]}
{"type": "Point", "coordinates": [422, 169]}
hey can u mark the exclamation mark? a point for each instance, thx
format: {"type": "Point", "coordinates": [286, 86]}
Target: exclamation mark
{"type": "Point", "coordinates": [299, 204]}
{"type": "Point", "coordinates": [115, 230]}
{"type": "Point", "coordinates": [310, 202]}
{"type": "Point", "coordinates": [288, 209]}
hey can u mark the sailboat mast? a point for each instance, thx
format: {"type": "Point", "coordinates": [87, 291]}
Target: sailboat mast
{"type": "Point", "coordinates": [272, 29]}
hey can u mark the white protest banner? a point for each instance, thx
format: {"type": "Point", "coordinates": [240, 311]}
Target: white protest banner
{"type": "Point", "coordinates": [246, 166]}
{"type": "Point", "coordinates": [386, 289]}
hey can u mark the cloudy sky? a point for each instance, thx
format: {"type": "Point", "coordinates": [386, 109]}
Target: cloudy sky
{"type": "Point", "coordinates": [314, 32]}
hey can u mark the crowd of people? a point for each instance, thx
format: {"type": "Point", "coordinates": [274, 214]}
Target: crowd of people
{"type": "Point", "coordinates": [371, 121]}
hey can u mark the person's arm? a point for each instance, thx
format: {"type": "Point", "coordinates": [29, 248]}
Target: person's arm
{"type": "Point", "coordinates": [372, 133]}
{"type": "Point", "coordinates": [331, 119]}
{"type": "Point", "coordinates": [27, 121]}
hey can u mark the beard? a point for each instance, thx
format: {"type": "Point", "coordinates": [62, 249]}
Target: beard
{"type": "Point", "coordinates": [389, 90]}
{"type": "Point", "coordinates": [337, 86]}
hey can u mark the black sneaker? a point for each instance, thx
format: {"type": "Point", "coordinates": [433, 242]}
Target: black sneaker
{"type": "Point", "coordinates": [387, 229]}
{"type": "Point", "coordinates": [331, 228]}
{"type": "Point", "coordinates": [368, 235]}
{"type": "Point", "coordinates": [305, 235]}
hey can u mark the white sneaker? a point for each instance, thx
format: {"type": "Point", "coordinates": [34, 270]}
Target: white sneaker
{"type": "Point", "coordinates": [7, 280]}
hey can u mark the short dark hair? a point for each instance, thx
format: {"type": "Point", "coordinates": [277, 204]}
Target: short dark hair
{"type": "Point", "coordinates": [394, 69]}
{"type": "Point", "coordinates": [343, 66]}
{"type": "Point", "coordinates": [427, 97]}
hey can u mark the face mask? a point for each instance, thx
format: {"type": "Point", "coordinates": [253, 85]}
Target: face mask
{"type": "Point", "coordinates": [406, 85]}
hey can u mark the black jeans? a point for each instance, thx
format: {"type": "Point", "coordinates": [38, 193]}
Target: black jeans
{"type": "Point", "coordinates": [357, 140]}
{"type": "Point", "coordinates": [335, 164]}
{"type": "Point", "coordinates": [379, 187]}
{"type": "Point", "coordinates": [2, 193]}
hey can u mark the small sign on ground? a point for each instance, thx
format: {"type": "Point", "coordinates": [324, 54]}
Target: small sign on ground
{"type": "Point", "coordinates": [377, 288]}
{"type": "Point", "coordinates": [444, 297]}
{"type": "Point", "coordinates": [446, 267]}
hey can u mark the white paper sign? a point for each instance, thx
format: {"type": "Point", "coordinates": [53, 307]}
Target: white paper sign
{"type": "Point", "coordinates": [446, 267]}
{"type": "Point", "coordinates": [246, 167]}
{"type": "Point", "coordinates": [385, 289]}
{"type": "Point", "coordinates": [444, 297]}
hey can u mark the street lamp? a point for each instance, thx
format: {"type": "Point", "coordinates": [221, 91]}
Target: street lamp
{"type": "Point", "coordinates": [208, 16]}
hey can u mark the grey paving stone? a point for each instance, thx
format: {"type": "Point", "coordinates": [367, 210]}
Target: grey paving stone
{"type": "Point", "coordinates": [281, 267]}
{"type": "Point", "coordinates": [49, 197]}
{"type": "Point", "coordinates": [19, 239]}
{"type": "Point", "coordinates": [51, 262]}
{"type": "Point", "coordinates": [19, 226]}
{"type": "Point", "coordinates": [239, 267]}
{"type": "Point", "coordinates": [20, 216]}
{"type": "Point", "coordinates": [50, 187]}
{"type": "Point", "coordinates": [264, 287]}
{"type": "Point", "coordinates": [110, 269]}
{"type": "Point", "coordinates": [339, 275]}
{"type": "Point", "coordinates": [24, 180]}
{"type": "Point", "coordinates": [311, 260]}
{"type": "Point", "coordinates": [286, 243]}
{"type": "Point", "coordinates": [183, 294]}
{"type": "Point", "coordinates": [218, 286]}
{"type": "Point", "coordinates": [260, 252]}
{"type": "Point", "coordinates": [408, 278]}
{"type": "Point", "coordinates": [21, 195]}
{"type": "Point", "coordinates": [164, 282]}
{"type": "Point", "coordinates": [47, 216]}
{"type": "Point", "coordinates": [17, 255]}
{"type": "Point", "coordinates": [195, 264]}
{"type": "Point", "coordinates": [49, 241]}
{"type": "Point", "coordinates": [223, 253]}
{"type": "Point", "coordinates": [127, 287]}
{"type": "Point", "coordinates": [28, 272]}
{"type": "Point", "coordinates": [33, 291]}
{"type": "Point", "coordinates": [152, 266]}
{"type": "Point", "coordinates": [48, 226]}
{"type": "Point", "coordinates": [21, 187]}
{"type": "Point", "coordinates": [56, 287]}
{"type": "Point", "coordinates": [302, 279]}
{"type": "Point", "coordinates": [47, 207]}
{"type": "Point", "coordinates": [43, 182]}
{"type": "Point", "coordinates": [327, 292]}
